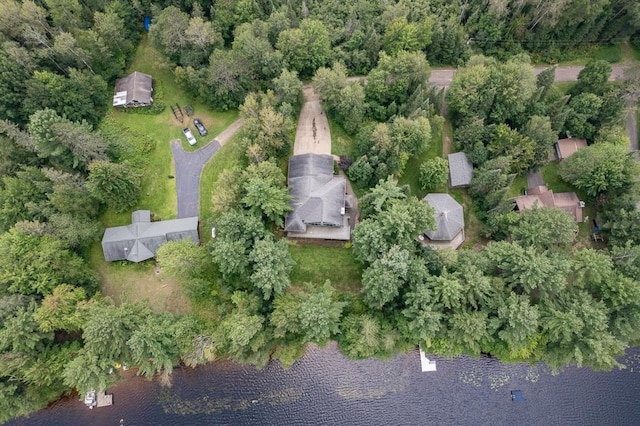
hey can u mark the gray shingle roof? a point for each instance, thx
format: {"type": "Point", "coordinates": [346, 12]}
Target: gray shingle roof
{"type": "Point", "coordinates": [318, 197]}
{"type": "Point", "coordinates": [134, 90]}
{"type": "Point", "coordinates": [141, 240]}
{"type": "Point", "coordinates": [449, 217]}
{"type": "Point", "coordinates": [460, 169]}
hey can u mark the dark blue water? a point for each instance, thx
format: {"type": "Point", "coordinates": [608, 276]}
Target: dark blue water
{"type": "Point", "coordinates": [324, 388]}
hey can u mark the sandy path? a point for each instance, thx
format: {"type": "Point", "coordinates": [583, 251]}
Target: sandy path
{"type": "Point", "coordinates": [312, 134]}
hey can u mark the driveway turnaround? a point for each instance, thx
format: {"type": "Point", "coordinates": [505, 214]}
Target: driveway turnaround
{"type": "Point", "coordinates": [189, 165]}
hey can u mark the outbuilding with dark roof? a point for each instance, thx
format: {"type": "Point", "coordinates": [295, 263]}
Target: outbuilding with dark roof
{"type": "Point", "coordinates": [134, 90]}
{"type": "Point", "coordinates": [460, 170]}
{"type": "Point", "coordinates": [142, 239]}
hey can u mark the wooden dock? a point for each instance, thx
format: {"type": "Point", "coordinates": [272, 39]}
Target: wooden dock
{"type": "Point", "coordinates": [104, 399]}
{"type": "Point", "coordinates": [425, 363]}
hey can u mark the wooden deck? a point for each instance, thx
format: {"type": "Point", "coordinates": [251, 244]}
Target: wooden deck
{"type": "Point", "coordinates": [104, 399]}
{"type": "Point", "coordinates": [425, 363]}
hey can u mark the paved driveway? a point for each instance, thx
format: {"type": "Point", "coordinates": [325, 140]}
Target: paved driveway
{"type": "Point", "coordinates": [189, 165]}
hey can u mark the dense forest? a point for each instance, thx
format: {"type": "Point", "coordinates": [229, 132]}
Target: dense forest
{"type": "Point", "coordinates": [530, 291]}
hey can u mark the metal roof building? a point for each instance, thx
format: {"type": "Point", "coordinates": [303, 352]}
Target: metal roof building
{"type": "Point", "coordinates": [141, 240]}
{"type": "Point", "coordinates": [460, 169]}
{"type": "Point", "coordinates": [134, 90]}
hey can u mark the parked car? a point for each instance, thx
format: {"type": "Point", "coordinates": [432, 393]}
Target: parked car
{"type": "Point", "coordinates": [201, 129]}
{"type": "Point", "coordinates": [189, 136]}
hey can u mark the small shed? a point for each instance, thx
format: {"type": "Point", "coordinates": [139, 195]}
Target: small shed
{"type": "Point", "coordinates": [460, 170]}
{"type": "Point", "coordinates": [567, 147]}
{"type": "Point", "coordinates": [449, 216]}
{"type": "Point", "coordinates": [142, 239]}
{"type": "Point", "coordinates": [134, 90]}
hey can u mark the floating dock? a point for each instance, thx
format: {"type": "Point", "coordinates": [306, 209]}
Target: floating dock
{"type": "Point", "coordinates": [104, 399]}
{"type": "Point", "coordinates": [425, 363]}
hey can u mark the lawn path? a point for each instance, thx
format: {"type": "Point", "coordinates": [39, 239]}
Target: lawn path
{"type": "Point", "coordinates": [189, 165]}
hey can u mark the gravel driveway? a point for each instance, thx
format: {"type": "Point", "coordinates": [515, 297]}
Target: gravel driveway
{"type": "Point", "coordinates": [312, 134]}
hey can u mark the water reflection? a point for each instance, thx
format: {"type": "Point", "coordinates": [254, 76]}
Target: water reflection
{"type": "Point", "coordinates": [325, 388]}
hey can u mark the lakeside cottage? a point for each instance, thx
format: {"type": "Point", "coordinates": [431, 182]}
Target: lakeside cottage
{"type": "Point", "coordinates": [142, 239]}
{"type": "Point", "coordinates": [449, 216]}
{"type": "Point", "coordinates": [319, 200]}
{"type": "Point", "coordinates": [569, 146]}
{"type": "Point", "coordinates": [542, 197]}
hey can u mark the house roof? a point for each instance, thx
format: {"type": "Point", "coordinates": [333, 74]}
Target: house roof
{"type": "Point", "coordinates": [140, 240]}
{"type": "Point", "coordinates": [318, 197]}
{"type": "Point", "coordinates": [134, 88]}
{"type": "Point", "coordinates": [567, 147]}
{"type": "Point", "coordinates": [541, 196]}
{"type": "Point", "coordinates": [449, 217]}
{"type": "Point", "coordinates": [460, 169]}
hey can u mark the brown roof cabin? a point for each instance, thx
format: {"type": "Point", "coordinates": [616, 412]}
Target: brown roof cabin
{"type": "Point", "coordinates": [567, 147]}
{"type": "Point", "coordinates": [134, 90]}
{"type": "Point", "coordinates": [541, 196]}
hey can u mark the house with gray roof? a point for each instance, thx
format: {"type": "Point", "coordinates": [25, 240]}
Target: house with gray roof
{"type": "Point", "coordinates": [142, 239]}
{"type": "Point", "coordinates": [134, 90]}
{"type": "Point", "coordinates": [318, 199]}
{"type": "Point", "coordinates": [449, 217]}
{"type": "Point", "coordinates": [460, 170]}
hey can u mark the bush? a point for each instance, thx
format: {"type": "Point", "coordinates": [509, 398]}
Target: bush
{"type": "Point", "coordinates": [434, 173]}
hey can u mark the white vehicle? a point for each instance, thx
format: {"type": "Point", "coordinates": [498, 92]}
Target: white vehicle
{"type": "Point", "coordinates": [189, 136]}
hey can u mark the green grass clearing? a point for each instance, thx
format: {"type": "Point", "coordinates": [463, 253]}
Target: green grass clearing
{"type": "Point", "coordinates": [411, 174]}
{"type": "Point", "coordinates": [227, 157]}
{"type": "Point", "coordinates": [316, 264]}
{"type": "Point", "coordinates": [565, 87]}
{"type": "Point", "coordinates": [342, 143]}
{"type": "Point", "coordinates": [612, 53]}
{"type": "Point", "coordinates": [133, 282]}
{"type": "Point", "coordinates": [518, 186]}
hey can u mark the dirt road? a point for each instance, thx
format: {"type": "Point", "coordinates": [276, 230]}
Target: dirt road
{"type": "Point", "coordinates": [312, 134]}
{"type": "Point", "coordinates": [443, 77]}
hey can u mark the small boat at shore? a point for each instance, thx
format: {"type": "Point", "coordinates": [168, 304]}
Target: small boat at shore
{"type": "Point", "coordinates": [90, 399]}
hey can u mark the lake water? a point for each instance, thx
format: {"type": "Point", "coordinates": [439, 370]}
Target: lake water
{"type": "Point", "coordinates": [324, 388]}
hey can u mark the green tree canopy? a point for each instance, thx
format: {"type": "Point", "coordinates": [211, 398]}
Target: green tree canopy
{"type": "Point", "coordinates": [599, 168]}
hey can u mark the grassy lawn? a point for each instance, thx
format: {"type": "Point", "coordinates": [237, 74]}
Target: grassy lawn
{"type": "Point", "coordinates": [132, 282]}
{"type": "Point", "coordinates": [411, 175]}
{"type": "Point", "coordinates": [518, 186]}
{"type": "Point", "coordinates": [316, 264]}
{"type": "Point", "coordinates": [565, 87]}
{"type": "Point", "coordinates": [610, 53]}
{"type": "Point", "coordinates": [341, 142]}
{"type": "Point", "coordinates": [228, 156]}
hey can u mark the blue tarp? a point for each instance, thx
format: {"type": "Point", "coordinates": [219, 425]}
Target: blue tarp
{"type": "Point", "coordinates": [147, 23]}
{"type": "Point", "coordinates": [517, 396]}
